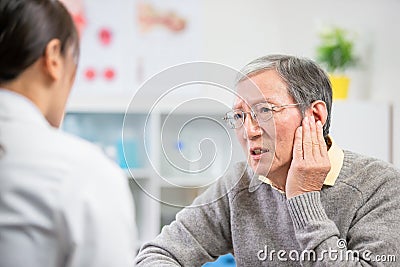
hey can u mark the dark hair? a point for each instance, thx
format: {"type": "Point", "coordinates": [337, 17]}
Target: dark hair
{"type": "Point", "coordinates": [26, 27]}
{"type": "Point", "coordinates": [306, 81]}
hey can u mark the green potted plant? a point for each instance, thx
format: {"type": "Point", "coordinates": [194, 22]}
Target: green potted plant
{"type": "Point", "coordinates": [336, 53]}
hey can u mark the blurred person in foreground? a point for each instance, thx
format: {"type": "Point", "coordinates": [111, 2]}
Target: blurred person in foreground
{"type": "Point", "coordinates": [62, 202]}
{"type": "Point", "coordinates": [300, 200]}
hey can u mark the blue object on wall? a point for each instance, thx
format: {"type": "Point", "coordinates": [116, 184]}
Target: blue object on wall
{"type": "Point", "coordinates": [128, 156]}
{"type": "Point", "coordinates": [223, 261]}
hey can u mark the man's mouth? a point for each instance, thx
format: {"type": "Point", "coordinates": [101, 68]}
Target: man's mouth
{"type": "Point", "coordinates": [258, 151]}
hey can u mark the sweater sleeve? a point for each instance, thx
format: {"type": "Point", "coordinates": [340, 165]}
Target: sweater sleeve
{"type": "Point", "coordinates": [372, 240]}
{"type": "Point", "coordinates": [199, 234]}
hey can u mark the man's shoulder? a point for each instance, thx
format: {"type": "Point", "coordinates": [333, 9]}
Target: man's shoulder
{"type": "Point", "coordinates": [366, 173]}
{"type": "Point", "coordinates": [235, 179]}
{"type": "Point", "coordinates": [238, 176]}
{"type": "Point", "coordinates": [355, 163]}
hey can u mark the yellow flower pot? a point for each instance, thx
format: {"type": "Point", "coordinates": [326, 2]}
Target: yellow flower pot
{"type": "Point", "coordinates": [340, 86]}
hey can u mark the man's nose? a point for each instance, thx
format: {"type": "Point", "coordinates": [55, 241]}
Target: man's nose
{"type": "Point", "coordinates": [252, 128]}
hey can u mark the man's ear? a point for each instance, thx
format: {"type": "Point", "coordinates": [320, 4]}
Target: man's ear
{"type": "Point", "coordinates": [319, 111]}
{"type": "Point", "coordinates": [53, 59]}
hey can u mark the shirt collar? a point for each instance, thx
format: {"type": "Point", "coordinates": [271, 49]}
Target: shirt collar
{"type": "Point", "coordinates": [17, 107]}
{"type": "Point", "coordinates": [336, 157]}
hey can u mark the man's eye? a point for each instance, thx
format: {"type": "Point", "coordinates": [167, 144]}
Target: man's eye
{"type": "Point", "coordinates": [264, 110]}
{"type": "Point", "coordinates": [237, 116]}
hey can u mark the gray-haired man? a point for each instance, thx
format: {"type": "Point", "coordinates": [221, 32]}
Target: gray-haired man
{"type": "Point", "coordinates": [299, 199]}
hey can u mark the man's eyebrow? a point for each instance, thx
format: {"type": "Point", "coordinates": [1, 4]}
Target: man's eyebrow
{"type": "Point", "coordinates": [253, 102]}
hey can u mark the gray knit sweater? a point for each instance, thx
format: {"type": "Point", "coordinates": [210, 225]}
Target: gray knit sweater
{"type": "Point", "coordinates": [356, 222]}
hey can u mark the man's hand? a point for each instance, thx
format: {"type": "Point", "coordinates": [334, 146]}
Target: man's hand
{"type": "Point", "coordinates": [310, 163]}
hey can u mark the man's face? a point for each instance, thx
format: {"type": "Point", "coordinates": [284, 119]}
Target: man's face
{"type": "Point", "coordinates": [273, 138]}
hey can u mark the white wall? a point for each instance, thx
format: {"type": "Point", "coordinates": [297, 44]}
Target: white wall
{"type": "Point", "coordinates": [236, 32]}
{"type": "Point", "coordinates": [363, 127]}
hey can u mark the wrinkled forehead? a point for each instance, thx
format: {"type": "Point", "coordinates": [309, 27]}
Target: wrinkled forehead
{"type": "Point", "coordinates": [253, 91]}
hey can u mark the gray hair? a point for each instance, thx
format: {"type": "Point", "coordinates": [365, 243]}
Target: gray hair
{"type": "Point", "coordinates": [306, 81]}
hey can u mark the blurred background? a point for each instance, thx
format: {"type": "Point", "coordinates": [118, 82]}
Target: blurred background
{"type": "Point", "coordinates": [133, 40]}
{"type": "Point", "coordinates": [124, 43]}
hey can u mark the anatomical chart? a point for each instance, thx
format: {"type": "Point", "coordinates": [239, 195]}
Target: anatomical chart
{"type": "Point", "coordinates": [125, 42]}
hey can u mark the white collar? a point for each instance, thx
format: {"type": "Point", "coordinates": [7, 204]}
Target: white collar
{"type": "Point", "coordinates": [17, 107]}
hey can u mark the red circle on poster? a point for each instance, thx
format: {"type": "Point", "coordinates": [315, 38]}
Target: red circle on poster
{"type": "Point", "coordinates": [90, 74]}
{"type": "Point", "coordinates": [105, 36]}
{"type": "Point", "coordinates": [109, 74]}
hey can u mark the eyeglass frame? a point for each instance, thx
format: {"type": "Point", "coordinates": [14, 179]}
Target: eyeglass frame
{"type": "Point", "coordinates": [253, 115]}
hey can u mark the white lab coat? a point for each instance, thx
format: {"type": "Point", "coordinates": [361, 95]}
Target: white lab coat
{"type": "Point", "coordinates": [62, 202]}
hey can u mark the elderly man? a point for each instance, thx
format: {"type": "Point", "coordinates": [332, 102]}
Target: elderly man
{"type": "Point", "coordinates": [299, 199]}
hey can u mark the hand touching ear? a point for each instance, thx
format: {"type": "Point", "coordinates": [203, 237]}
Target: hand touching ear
{"type": "Point", "coordinates": [310, 164]}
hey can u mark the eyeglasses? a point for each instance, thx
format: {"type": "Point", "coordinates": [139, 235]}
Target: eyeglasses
{"type": "Point", "coordinates": [260, 112]}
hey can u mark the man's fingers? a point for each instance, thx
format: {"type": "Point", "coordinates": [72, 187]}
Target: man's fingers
{"type": "Point", "coordinates": [307, 142]}
{"type": "Point", "coordinates": [314, 138]}
{"type": "Point", "coordinates": [298, 144]}
{"type": "Point", "coordinates": [321, 140]}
